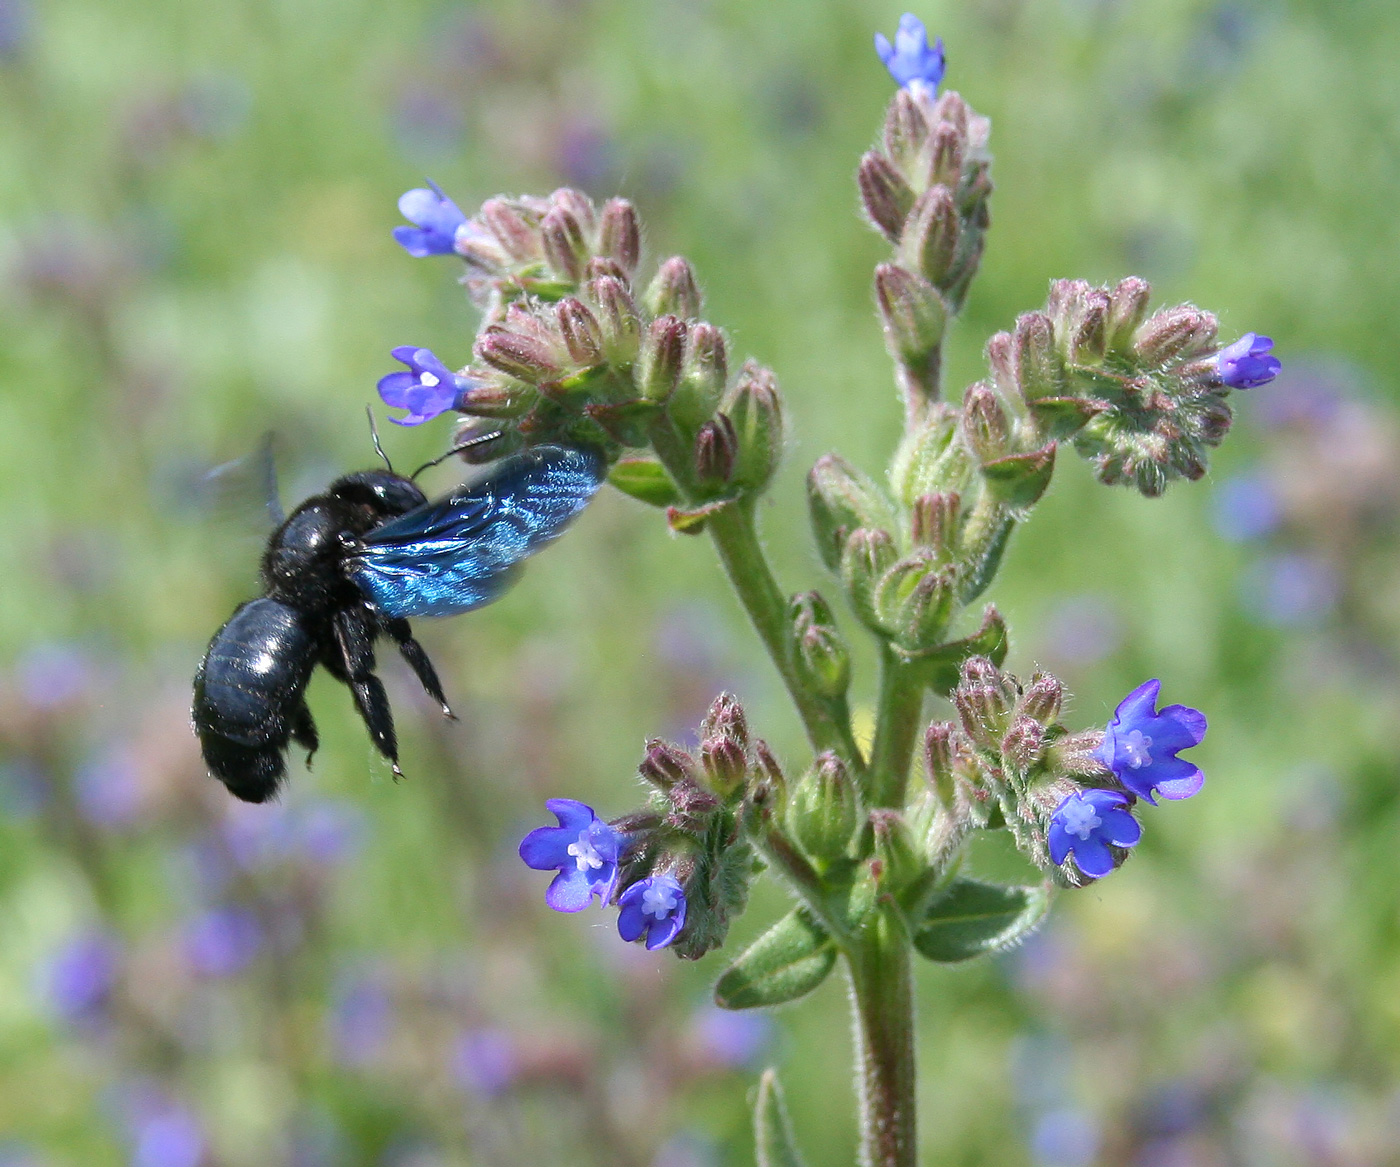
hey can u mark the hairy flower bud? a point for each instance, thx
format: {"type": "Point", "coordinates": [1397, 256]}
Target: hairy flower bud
{"type": "Point", "coordinates": [521, 356]}
{"type": "Point", "coordinates": [582, 334]}
{"type": "Point", "coordinates": [1038, 371]}
{"type": "Point", "coordinates": [516, 229]}
{"type": "Point", "coordinates": [900, 862]}
{"type": "Point", "coordinates": [824, 809]}
{"type": "Point", "coordinates": [756, 409]}
{"type": "Point", "coordinates": [939, 759]}
{"type": "Point", "coordinates": [619, 324]}
{"type": "Point", "coordinates": [659, 366]}
{"type": "Point", "coordinates": [673, 290]}
{"type": "Point", "coordinates": [665, 765]}
{"type": "Point", "coordinates": [564, 244]}
{"type": "Point", "coordinates": [704, 372]}
{"type": "Point", "coordinates": [934, 522]}
{"type": "Point", "coordinates": [1042, 699]}
{"type": "Point", "coordinates": [867, 557]}
{"type": "Point", "coordinates": [930, 460]}
{"type": "Point", "coordinates": [840, 498]}
{"type": "Point", "coordinates": [619, 234]}
{"type": "Point", "coordinates": [946, 156]}
{"type": "Point", "coordinates": [1178, 333]}
{"type": "Point", "coordinates": [1024, 744]}
{"type": "Point", "coordinates": [912, 312]}
{"type": "Point", "coordinates": [984, 698]}
{"type": "Point", "coordinates": [885, 195]}
{"type": "Point", "coordinates": [726, 765]}
{"type": "Point", "coordinates": [922, 618]}
{"type": "Point", "coordinates": [716, 448]}
{"type": "Point", "coordinates": [984, 423]}
{"type": "Point", "coordinates": [818, 651]}
{"type": "Point", "coordinates": [578, 205]}
{"type": "Point", "coordinates": [1126, 312]}
{"type": "Point", "coordinates": [496, 398]}
{"type": "Point", "coordinates": [1088, 339]}
{"type": "Point", "coordinates": [906, 129]}
{"type": "Point", "coordinates": [1001, 359]}
{"type": "Point", "coordinates": [929, 241]}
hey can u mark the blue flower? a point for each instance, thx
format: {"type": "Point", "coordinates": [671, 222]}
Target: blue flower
{"type": "Point", "coordinates": [582, 847]}
{"type": "Point", "coordinates": [1085, 823]}
{"type": "Point", "coordinates": [81, 976]}
{"type": "Point", "coordinates": [656, 906]}
{"type": "Point", "coordinates": [436, 219]}
{"type": "Point", "coordinates": [222, 941]}
{"type": "Point", "coordinates": [426, 390]}
{"type": "Point", "coordinates": [910, 60]}
{"type": "Point", "coordinates": [1247, 364]}
{"type": "Point", "coordinates": [1141, 745]}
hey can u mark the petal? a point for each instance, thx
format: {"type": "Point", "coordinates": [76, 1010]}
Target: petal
{"type": "Point", "coordinates": [606, 841]}
{"type": "Point", "coordinates": [1120, 828]}
{"type": "Point", "coordinates": [1104, 801]}
{"type": "Point", "coordinates": [1177, 778]}
{"type": "Point", "coordinates": [573, 816]}
{"type": "Point", "coordinates": [1093, 857]}
{"type": "Point", "coordinates": [602, 880]}
{"type": "Point", "coordinates": [395, 387]}
{"type": "Point", "coordinates": [630, 921]}
{"type": "Point", "coordinates": [632, 896]}
{"type": "Point", "coordinates": [412, 419]}
{"type": "Point", "coordinates": [418, 243]}
{"type": "Point", "coordinates": [1139, 782]}
{"type": "Point", "coordinates": [429, 362]}
{"type": "Point", "coordinates": [546, 848]}
{"type": "Point", "coordinates": [569, 892]}
{"type": "Point", "coordinates": [420, 205]}
{"type": "Point", "coordinates": [1137, 705]}
{"type": "Point", "coordinates": [911, 39]}
{"type": "Point", "coordinates": [1059, 843]}
{"type": "Point", "coordinates": [404, 353]}
{"type": "Point", "coordinates": [883, 48]}
{"type": "Point", "coordinates": [1178, 727]}
{"type": "Point", "coordinates": [662, 932]}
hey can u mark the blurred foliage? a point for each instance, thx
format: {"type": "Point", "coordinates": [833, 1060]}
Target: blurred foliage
{"type": "Point", "coordinates": [195, 205]}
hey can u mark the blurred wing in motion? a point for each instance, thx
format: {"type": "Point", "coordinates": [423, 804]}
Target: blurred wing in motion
{"type": "Point", "coordinates": [457, 553]}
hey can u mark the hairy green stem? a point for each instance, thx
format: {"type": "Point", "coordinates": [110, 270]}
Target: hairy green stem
{"type": "Point", "coordinates": [882, 997]}
{"type": "Point", "coordinates": [897, 716]}
{"type": "Point", "coordinates": [920, 386]}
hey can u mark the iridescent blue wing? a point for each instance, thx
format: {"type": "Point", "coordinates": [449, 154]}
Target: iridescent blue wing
{"type": "Point", "coordinates": [456, 553]}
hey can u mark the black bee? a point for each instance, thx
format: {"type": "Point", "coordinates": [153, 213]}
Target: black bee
{"type": "Point", "coordinates": [351, 565]}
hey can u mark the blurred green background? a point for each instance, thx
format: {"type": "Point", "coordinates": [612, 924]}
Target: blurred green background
{"type": "Point", "coordinates": [195, 207]}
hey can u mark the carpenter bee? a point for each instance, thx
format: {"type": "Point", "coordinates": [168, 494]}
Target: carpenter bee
{"type": "Point", "coordinates": [351, 565]}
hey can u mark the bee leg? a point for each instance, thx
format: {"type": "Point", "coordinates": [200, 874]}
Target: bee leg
{"type": "Point", "coordinates": [354, 635]}
{"type": "Point", "coordinates": [304, 731]}
{"type": "Point", "coordinates": [402, 635]}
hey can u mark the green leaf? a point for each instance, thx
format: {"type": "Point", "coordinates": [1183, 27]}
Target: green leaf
{"type": "Point", "coordinates": [645, 479]}
{"type": "Point", "coordinates": [771, 1127]}
{"type": "Point", "coordinates": [788, 961]}
{"type": "Point", "coordinates": [971, 918]}
{"type": "Point", "coordinates": [941, 667]}
{"type": "Point", "coordinates": [1018, 480]}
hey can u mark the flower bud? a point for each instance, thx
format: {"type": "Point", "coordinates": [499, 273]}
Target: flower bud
{"type": "Point", "coordinates": [867, 557]}
{"type": "Point", "coordinates": [1175, 333]}
{"type": "Point", "coordinates": [665, 765]}
{"type": "Point", "coordinates": [933, 523]}
{"type": "Point", "coordinates": [946, 156]}
{"type": "Point", "coordinates": [1042, 699]}
{"type": "Point", "coordinates": [912, 312]}
{"type": "Point", "coordinates": [929, 241]}
{"type": "Point", "coordinates": [726, 765]}
{"type": "Point", "coordinates": [619, 234]}
{"type": "Point", "coordinates": [583, 336]}
{"type": "Point", "coordinates": [1000, 354]}
{"type": "Point", "coordinates": [900, 863]}
{"type": "Point", "coordinates": [1024, 744]}
{"type": "Point", "coordinates": [618, 322]}
{"type": "Point", "coordinates": [929, 460]}
{"type": "Point", "coordinates": [984, 698]}
{"type": "Point", "coordinates": [951, 108]}
{"type": "Point", "coordinates": [704, 372]}
{"type": "Point", "coordinates": [984, 423]}
{"type": "Point", "coordinates": [906, 129]}
{"type": "Point", "coordinates": [659, 366]}
{"type": "Point", "coordinates": [1126, 311]}
{"type": "Point", "coordinates": [524, 357]}
{"type": "Point", "coordinates": [496, 398]}
{"type": "Point", "coordinates": [726, 718]}
{"type": "Point", "coordinates": [673, 290]}
{"type": "Point", "coordinates": [716, 447]}
{"type": "Point", "coordinates": [823, 809]}
{"type": "Point", "coordinates": [840, 498]}
{"type": "Point", "coordinates": [692, 807]}
{"type": "Point", "coordinates": [516, 229]}
{"type": "Point", "coordinates": [939, 760]}
{"type": "Point", "coordinates": [756, 409]}
{"type": "Point", "coordinates": [1038, 369]}
{"type": "Point", "coordinates": [767, 765]}
{"type": "Point", "coordinates": [1089, 340]}
{"type": "Point", "coordinates": [922, 618]}
{"type": "Point", "coordinates": [564, 245]}
{"type": "Point", "coordinates": [819, 653]}
{"type": "Point", "coordinates": [577, 204]}
{"type": "Point", "coordinates": [885, 195]}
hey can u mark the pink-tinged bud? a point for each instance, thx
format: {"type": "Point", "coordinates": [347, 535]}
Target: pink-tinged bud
{"type": "Point", "coordinates": [819, 653]}
{"type": "Point", "coordinates": [1038, 370]}
{"type": "Point", "coordinates": [912, 312]}
{"type": "Point", "coordinates": [520, 356]}
{"type": "Point", "coordinates": [715, 449]}
{"type": "Point", "coordinates": [1127, 310]}
{"type": "Point", "coordinates": [726, 765]}
{"type": "Point", "coordinates": [840, 498]}
{"type": "Point", "coordinates": [984, 423]}
{"type": "Point", "coordinates": [1089, 339]}
{"type": "Point", "coordinates": [1042, 699]}
{"type": "Point", "coordinates": [496, 398]}
{"type": "Point", "coordinates": [1179, 333]}
{"type": "Point", "coordinates": [929, 242]}
{"type": "Point", "coordinates": [824, 809]}
{"type": "Point", "coordinates": [726, 718]}
{"type": "Point", "coordinates": [582, 334]}
{"type": "Point", "coordinates": [659, 367]}
{"type": "Point", "coordinates": [899, 859]}
{"type": "Point", "coordinates": [1024, 744]}
{"type": "Point", "coordinates": [868, 555]}
{"type": "Point", "coordinates": [564, 245]}
{"type": "Point", "coordinates": [885, 195]}
{"type": "Point", "coordinates": [939, 760]}
{"type": "Point", "coordinates": [620, 235]}
{"type": "Point", "coordinates": [756, 409]}
{"type": "Point", "coordinates": [704, 373]}
{"type": "Point", "coordinates": [951, 108]}
{"type": "Point", "coordinates": [578, 205]}
{"type": "Point", "coordinates": [1001, 359]}
{"type": "Point", "coordinates": [619, 323]}
{"type": "Point", "coordinates": [666, 765]}
{"type": "Point", "coordinates": [984, 698]}
{"type": "Point", "coordinates": [906, 129]}
{"type": "Point", "coordinates": [673, 290]}
{"type": "Point", "coordinates": [515, 228]}
{"type": "Point", "coordinates": [934, 523]}
{"type": "Point", "coordinates": [921, 620]}
{"type": "Point", "coordinates": [946, 156]}
{"type": "Point", "coordinates": [604, 265]}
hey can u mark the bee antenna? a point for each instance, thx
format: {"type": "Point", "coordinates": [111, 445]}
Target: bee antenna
{"type": "Point", "coordinates": [374, 437]}
{"type": "Point", "coordinates": [457, 449]}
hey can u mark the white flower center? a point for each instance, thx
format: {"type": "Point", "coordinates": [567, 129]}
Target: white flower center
{"type": "Point", "coordinates": [1080, 818]}
{"type": "Point", "coordinates": [1135, 747]}
{"type": "Point", "coordinates": [585, 854]}
{"type": "Point", "coordinates": [428, 380]}
{"type": "Point", "coordinates": [658, 901]}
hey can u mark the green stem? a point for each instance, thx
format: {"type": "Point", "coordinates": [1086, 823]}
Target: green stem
{"type": "Point", "coordinates": [882, 996]}
{"type": "Point", "coordinates": [921, 386]}
{"type": "Point", "coordinates": [897, 717]}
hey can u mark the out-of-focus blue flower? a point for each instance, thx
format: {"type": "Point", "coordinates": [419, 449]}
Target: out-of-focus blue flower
{"type": "Point", "coordinates": [330, 831]}
{"type": "Point", "coordinates": [910, 60]}
{"type": "Point", "coordinates": [426, 390]}
{"type": "Point", "coordinates": [222, 941]}
{"type": "Point", "coordinates": [16, 27]}
{"type": "Point", "coordinates": [486, 1062]}
{"type": "Point", "coordinates": [1085, 823]}
{"type": "Point", "coordinates": [1246, 364]}
{"type": "Point", "coordinates": [108, 790]}
{"type": "Point", "coordinates": [1291, 589]}
{"type": "Point", "coordinates": [583, 849]}
{"type": "Point", "coordinates": [734, 1041]}
{"type": "Point", "coordinates": [171, 1138]}
{"type": "Point", "coordinates": [654, 906]}
{"type": "Point", "coordinates": [80, 976]}
{"type": "Point", "coordinates": [1067, 1137]}
{"type": "Point", "coordinates": [54, 674]}
{"type": "Point", "coordinates": [687, 1149]}
{"type": "Point", "coordinates": [361, 1019]}
{"type": "Point", "coordinates": [1083, 630]}
{"type": "Point", "coordinates": [1247, 507]}
{"type": "Point", "coordinates": [436, 220]}
{"type": "Point", "coordinates": [1140, 745]}
{"type": "Point", "coordinates": [14, 1153]}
